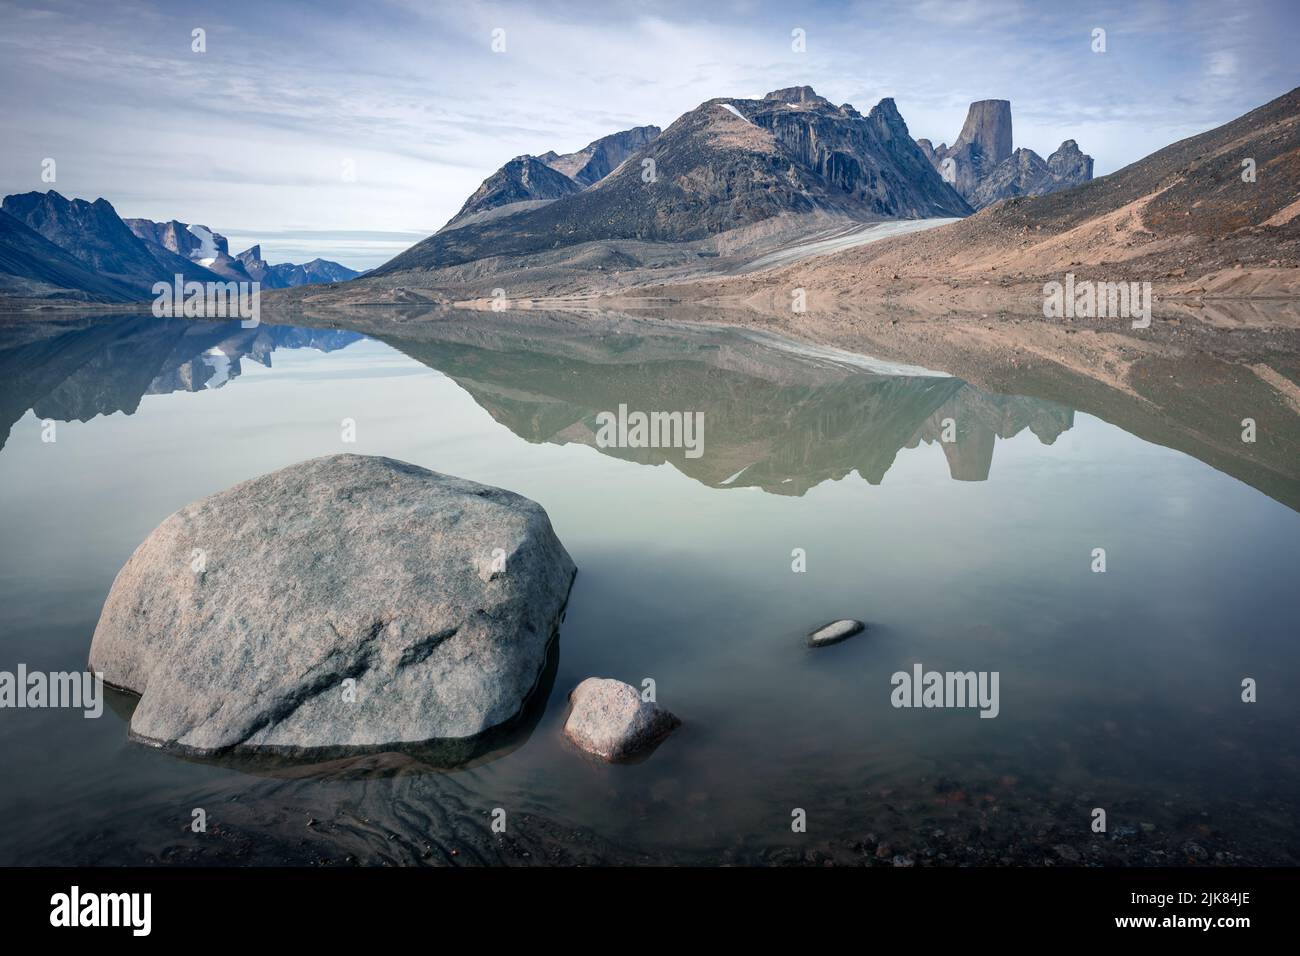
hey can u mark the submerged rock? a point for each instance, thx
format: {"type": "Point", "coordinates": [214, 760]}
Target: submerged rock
{"type": "Point", "coordinates": [608, 719]}
{"type": "Point", "coordinates": [834, 632]}
{"type": "Point", "coordinates": [347, 601]}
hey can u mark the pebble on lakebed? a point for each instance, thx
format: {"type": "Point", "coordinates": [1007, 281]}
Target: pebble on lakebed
{"type": "Point", "coordinates": [608, 719]}
{"type": "Point", "coordinates": [834, 632]}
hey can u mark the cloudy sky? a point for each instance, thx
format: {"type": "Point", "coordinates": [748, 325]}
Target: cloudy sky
{"type": "Point", "coordinates": [350, 130]}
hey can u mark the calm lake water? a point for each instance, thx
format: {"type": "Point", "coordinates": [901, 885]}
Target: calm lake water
{"type": "Point", "coordinates": [1119, 690]}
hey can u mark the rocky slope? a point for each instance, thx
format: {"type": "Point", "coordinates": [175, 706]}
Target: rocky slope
{"type": "Point", "coordinates": [984, 168]}
{"type": "Point", "coordinates": [597, 160]}
{"type": "Point", "coordinates": [523, 179]}
{"type": "Point", "coordinates": [727, 164]}
{"type": "Point", "coordinates": [33, 267]}
{"type": "Point", "coordinates": [530, 181]}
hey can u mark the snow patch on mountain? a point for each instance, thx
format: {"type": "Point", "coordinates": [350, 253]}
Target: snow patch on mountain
{"type": "Point", "coordinates": [207, 252]}
{"type": "Point", "coordinates": [731, 109]}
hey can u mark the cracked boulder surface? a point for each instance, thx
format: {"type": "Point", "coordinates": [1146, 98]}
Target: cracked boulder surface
{"type": "Point", "coordinates": [346, 601]}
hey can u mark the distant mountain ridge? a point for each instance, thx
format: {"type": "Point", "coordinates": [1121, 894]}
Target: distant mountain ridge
{"type": "Point", "coordinates": [985, 168]}
{"type": "Point", "coordinates": [287, 274]}
{"type": "Point", "coordinates": [55, 247]}
{"type": "Point", "coordinates": [212, 250]}
{"type": "Point", "coordinates": [96, 235]}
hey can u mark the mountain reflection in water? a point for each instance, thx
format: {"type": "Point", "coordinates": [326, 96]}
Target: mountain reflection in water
{"type": "Point", "coordinates": [774, 419]}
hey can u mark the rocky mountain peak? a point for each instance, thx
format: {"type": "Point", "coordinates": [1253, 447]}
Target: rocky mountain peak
{"type": "Point", "coordinates": [552, 175]}
{"type": "Point", "coordinates": [797, 94]}
{"type": "Point", "coordinates": [988, 127]}
{"type": "Point", "coordinates": [523, 179]}
{"type": "Point", "coordinates": [984, 168]}
{"type": "Point", "coordinates": [1070, 163]}
{"type": "Point", "coordinates": [886, 118]}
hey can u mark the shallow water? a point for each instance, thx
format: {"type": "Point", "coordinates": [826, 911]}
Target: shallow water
{"type": "Point", "coordinates": [1118, 690]}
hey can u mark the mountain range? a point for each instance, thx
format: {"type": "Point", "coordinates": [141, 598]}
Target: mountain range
{"type": "Point", "coordinates": [32, 265]}
{"type": "Point", "coordinates": [286, 275]}
{"type": "Point", "coordinates": [732, 177]}
{"type": "Point", "coordinates": [752, 197]}
{"type": "Point", "coordinates": [730, 187]}
{"type": "Point", "coordinates": [1215, 215]}
{"type": "Point", "coordinates": [755, 198]}
{"type": "Point", "coordinates": [93, 233]}
{"type": "Point", "coordinates": [727, 164]}
{"type": "Point", "coordinates": [985, 169]}
{"type": "Point", "coordinates": [54, 247]}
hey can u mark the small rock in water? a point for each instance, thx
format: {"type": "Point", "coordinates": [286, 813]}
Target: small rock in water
{"type": "Point", "coordinates": [834, 632]}
{"type": "Point", "coordinates": [609, 720]}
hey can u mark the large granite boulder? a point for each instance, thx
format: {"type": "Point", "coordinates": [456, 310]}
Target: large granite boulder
{"type": "Point", "coordinates": [347, 601]}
